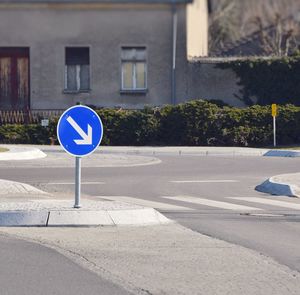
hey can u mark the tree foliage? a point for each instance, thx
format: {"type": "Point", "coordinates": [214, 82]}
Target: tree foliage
{"type": "Point", "coordinates": [267, 81]}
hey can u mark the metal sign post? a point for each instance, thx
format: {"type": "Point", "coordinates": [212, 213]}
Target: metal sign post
{"type": "Point", "coordinates": [274, 131]}
{"type": "Point", "coordinates": [274, 115]}
{"type": "Point", "coordinates": [79, 132]}
{"type": "Point", "coordinates": [77, 182]}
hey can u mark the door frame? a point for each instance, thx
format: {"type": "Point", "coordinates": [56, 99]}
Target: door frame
{"type": "Point", "coordinates": [14, 53]}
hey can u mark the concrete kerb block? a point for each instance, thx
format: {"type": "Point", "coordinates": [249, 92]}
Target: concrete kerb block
{"type": "Point", "coordinates": [23, 218]}
{"type": "Point", "coordinates": [282, 153]}
{"type": "Point", "coordinates": [144, 216]}
{"type": "Point", "coordinates": [79, 218]}
{"type": "Point", "coordinates": [272, 187]}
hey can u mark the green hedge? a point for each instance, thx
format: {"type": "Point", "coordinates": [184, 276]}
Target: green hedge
{"type": "Point", "coordinates": [274, 80]}
{"type": "Point", "coordinates": [193, 123]}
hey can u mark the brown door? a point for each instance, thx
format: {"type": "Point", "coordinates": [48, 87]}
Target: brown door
{"type": "Point", "coordinates": [14, 78]}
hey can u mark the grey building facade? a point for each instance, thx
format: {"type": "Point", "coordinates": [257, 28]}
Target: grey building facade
{"type": "Point", "coordinates": [114, 53]}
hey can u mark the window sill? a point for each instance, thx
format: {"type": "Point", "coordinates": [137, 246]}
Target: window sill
{"type": "Point", "coordinates": [133, 91]}
{"type": "Point", "coordinates": [66, 91]}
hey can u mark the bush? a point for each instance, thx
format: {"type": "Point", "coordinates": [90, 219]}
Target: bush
{"type": "Point", "coordinates": [193, 123]}
{"type": "Point", "coordinates": [123, 127]}
{"type": "Point", "coordinates": [270, 81]}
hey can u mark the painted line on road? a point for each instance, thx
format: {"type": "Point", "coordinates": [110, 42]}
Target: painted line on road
{"type": "Point", "coordinates": [276, 203]}
{"type": "Point", "coordinates": [212, 203]}
{"type": "Point", "coordinates": [69, 183]}
{"type": "Point", "coordinates": [147, 203]}
{"type": "Point", "coordinates": [205, 181]}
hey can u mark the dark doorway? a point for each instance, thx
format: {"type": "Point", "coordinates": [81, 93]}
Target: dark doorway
{"type": "Point", "coordinates": [14, 78]}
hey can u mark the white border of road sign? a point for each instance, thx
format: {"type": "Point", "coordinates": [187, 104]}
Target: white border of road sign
{"type": "Point", "coordinates": [96, 146]}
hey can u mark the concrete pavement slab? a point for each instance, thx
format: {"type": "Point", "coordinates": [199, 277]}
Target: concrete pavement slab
{"type": "Point", "coordinates": [12, 188]}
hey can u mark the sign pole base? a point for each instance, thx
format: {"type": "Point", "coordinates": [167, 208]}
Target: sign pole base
{"type": "Point", "coordinates": [77, 182]}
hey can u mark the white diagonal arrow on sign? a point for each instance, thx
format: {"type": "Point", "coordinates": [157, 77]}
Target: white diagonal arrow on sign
{"type": "Point", "coordinates": [87, 138]}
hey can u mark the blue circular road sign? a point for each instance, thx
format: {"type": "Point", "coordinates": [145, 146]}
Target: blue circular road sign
{"type": "Point", "coordinates": [79, 131]}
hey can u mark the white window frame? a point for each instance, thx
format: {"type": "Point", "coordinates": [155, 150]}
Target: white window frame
{"type": "Point", "coordinates": [78, 82]}
{"type": "Point", "coordinates": [134, 63]}
{"type": "Point", "coordinates": [134, 75]}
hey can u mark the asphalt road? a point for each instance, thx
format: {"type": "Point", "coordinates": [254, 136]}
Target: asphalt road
{"type": "Point", "coordinates": [190, 183]}
{"type": "Point", "coordinates": [28, 268]}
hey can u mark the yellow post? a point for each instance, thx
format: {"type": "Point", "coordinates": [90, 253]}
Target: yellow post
{"type": "Point", "coordinates": [274, 110]}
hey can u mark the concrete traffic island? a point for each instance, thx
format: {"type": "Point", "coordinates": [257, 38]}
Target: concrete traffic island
{"type": "Point", "coordinates": [43, 213]}
{"type": "Point", "coordinates": [21, 153]}
{"type": "Point", "coordinates": [281, 185]}
{"type": "Point", "coordinates": [26, 206]}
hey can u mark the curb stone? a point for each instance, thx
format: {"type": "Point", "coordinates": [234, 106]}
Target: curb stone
{"type": "Point", "coordinates": [282, 153]}
{"type": "Point", "coordinates": [23, 218]}
{"type": "Point", "coordinates": [273, 187]}
{"type": "Point", "coordinates": [71, 218]}
{"type": "Point", "coordinates": [39, 151]}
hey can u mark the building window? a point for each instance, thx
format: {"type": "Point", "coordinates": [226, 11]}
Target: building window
{"type": "Point", "coordinates": [134, 69]}
{"type": "Point", "coordinates": [77, 69]}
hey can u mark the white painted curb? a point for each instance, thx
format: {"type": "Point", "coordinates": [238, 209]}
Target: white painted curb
{"type": "Point", "coordinates": [21, 153]}
{"type": "Point", "coordinates": [273, 187]}
{"type": "Point", "coordinates": [73, 217]}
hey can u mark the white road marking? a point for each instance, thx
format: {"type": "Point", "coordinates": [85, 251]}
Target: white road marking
{"type": "Point", "coordinates": [146, 203]}
{"type": "Point", "coordinates": [205, 181]}
{"type": "Point", "coordinates": [212, 203]}
{"type": "Point", "coordinates": [87, 138]}
{"type": "Point", "coordinates": [269, 202]}
{"type": "Point", "coordinates": [69, 183]}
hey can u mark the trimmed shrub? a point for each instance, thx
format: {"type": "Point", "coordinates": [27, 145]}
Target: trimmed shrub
{"type": "Point", "coordinates": [123, 127]}
{"type": "Point", "coordinates": [195, 123]}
